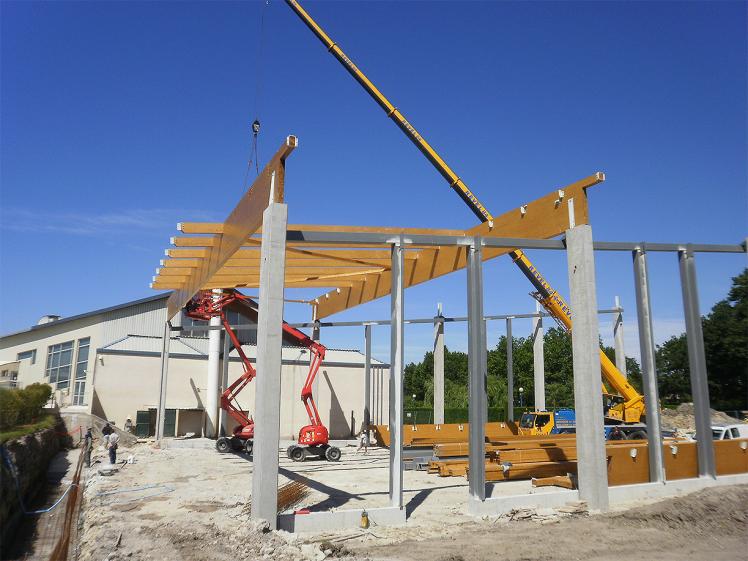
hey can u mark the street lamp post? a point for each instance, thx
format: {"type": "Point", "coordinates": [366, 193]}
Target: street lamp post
{"type": "Point", "coordinates": [521, 395]}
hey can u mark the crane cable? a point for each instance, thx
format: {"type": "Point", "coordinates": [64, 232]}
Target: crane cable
{"type": "Point", "coordinates": [253, 158]}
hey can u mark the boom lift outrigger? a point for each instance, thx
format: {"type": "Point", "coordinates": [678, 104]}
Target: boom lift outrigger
{"type": "Point", "coordinates": [628, 405]}
{"type": "Point", "coordinates": [314, 437]}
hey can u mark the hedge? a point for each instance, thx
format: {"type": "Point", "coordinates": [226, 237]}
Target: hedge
{"type": "Point", "coordinates": [22, 406]}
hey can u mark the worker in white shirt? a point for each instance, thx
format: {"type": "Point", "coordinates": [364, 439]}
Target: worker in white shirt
{"type": "Point", "coordinates": [113, 444]}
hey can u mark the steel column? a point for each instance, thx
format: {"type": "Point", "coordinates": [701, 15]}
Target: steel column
{"type": "Point", "coordinates": [397, 367]}
{"type": "Point", "coordinates": [161, 413]}
{"type": "Point", "coordinates": [591, 460]}
{"type": "Point", "coordinates": [367, 377]}
{"type": "Point", "coordinates": [618, 338]}
{"type": "Point", "coordinates": [509, 371]}
{"type": "Point", "coordinates": [477, 371]}
{"type": "Point", "coordinates": [439, 367]}
{"type": "Point", "coordinates": [697, 364]}
{"type": "Point", "coordinates": [538, 360]}
{"type": "Point", "coordinates": [269, 359]}
{"type": "Point", "coordinates": [649, 368]}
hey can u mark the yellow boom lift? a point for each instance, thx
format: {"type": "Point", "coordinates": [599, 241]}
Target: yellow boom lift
{"type": "Point", "coordinates": [625, 407]}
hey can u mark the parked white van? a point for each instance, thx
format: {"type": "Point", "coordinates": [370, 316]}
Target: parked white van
{"type": "Point", "coordinates": [730, 431]}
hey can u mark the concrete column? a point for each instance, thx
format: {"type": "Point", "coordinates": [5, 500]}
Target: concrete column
{"type": "Point", "coordinates": [315, 337]}
{"type": "Point", "coordinates": [439, 367]}
{"type": "Point", "coordinates": [367, 377]}
{"type": "Point", "coordinates": [509, 371]}
{"type": "Point", "coordinates": [618, 339]}
{"type": "Point", "coordinates": [477, 372]}
{"type": "Point", "coordinates": [697, 364]}
{"type": "Point", "coordinates": [161, 413]}
{"type": "Point", "coordinates": [397, 368]}
{"type": "Point", "coordinates": [538, 359]}
{"type": "Point", "coordinates": [649, 369]}
{"type": "Point", "coordinates": [214, 375]}
{"type": "Point", "coordinates": [225, 361]}
{"type": "Point", "coordinates": [591, 461]}
{"type": "Point", "coordinates": [269, 347]}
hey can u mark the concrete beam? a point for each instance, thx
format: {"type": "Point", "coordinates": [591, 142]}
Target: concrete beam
{"type": "Point", "coordinates": [538, 360]}
{"type": "Point", "coordinates": [649, 369]}
{"type": "Point", "coordinates": [591, 460]}
{"type": "Point", "coordinates": [269, 345]}
{"type": "Point", "coordinates": [439, 367]}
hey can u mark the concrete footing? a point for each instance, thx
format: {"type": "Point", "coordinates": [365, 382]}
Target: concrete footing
{"type": "Point", "coordinates": [619, 494]}
{"type": "Point", "coordinates": [340, 519]}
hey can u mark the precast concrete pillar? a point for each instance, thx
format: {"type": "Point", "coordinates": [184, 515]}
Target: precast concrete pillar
{"type": "Point", "coordinates": [367, 377]}
{"type": "Point", "coordinates": [591, 460]}
{"type": "Point", "coordinates": [509, 371]}
{"type": "Point", "coordinates": [439, 367]}
{"type": "Point", "coordinates": [161, 412]}
{"type": "Point", "coordinates": [269, 361]}
{"type": "Point", "coordinates": [649, 369]}
{"type": "Point", "coordinates": [214, 375]}
{"type": "Point", "coordinates": [477, 375]}
{"type": "Point", "coordinates": [538, 359]}
{"type": "Point", "coordinates": [397, 369]}
{"type": "Point", "coordinates": [618, 338]}
{"type": "Point", "coordinates": [697, 364]}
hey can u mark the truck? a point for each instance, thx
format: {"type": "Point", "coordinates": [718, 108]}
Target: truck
{"type": "Point", "coordinates": [729, 432]}
{"type": "Point", "coordinates": [563, 421]}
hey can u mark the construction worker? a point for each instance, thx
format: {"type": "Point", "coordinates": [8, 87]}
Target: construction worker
{"type": "Point", "coordinates": [88, 445]}
{"type": "Point", "coordinates": [113, 445]}
{"type": "Point", "coordinates": [128, 424]}
{"type": "Point", "coordinates": [363, 441]}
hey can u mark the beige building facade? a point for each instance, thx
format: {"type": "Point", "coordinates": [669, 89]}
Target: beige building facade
{"type": "Point", "coordinates": [108, 363]}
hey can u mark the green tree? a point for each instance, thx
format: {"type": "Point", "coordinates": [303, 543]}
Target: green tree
{"type": "Point", "coordinates": [725, 331]}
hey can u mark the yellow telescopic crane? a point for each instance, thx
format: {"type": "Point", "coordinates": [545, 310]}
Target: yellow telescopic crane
{"type": "Point", "coordinates": [631, 408]}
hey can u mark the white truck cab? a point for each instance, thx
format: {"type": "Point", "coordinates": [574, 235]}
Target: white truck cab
{"type": "Point", "coordinates": [728, 432]}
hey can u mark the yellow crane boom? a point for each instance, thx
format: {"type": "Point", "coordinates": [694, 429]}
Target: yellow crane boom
{"type": "Point", "coordinates": [631, 409]}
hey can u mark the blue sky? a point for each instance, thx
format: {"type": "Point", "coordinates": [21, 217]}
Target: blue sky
{"type": "Point", "coordinates": [120, 119]}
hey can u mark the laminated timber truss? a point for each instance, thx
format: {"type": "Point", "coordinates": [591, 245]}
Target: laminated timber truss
{"type": "Point", "coordinates": [227, 254]}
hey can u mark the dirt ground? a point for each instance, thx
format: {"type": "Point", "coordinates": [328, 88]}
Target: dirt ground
{"type": "Point", "coordinates": [193, 505]}
{"type": "Point", "coordinates": [682, 418]}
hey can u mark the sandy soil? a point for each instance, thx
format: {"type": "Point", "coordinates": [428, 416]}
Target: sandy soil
{"type": "Point", "coordinates": [193, 505]}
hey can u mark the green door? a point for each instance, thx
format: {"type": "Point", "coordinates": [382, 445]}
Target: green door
{"type": "Point", "coordinates": [143, 424]}
{"type": "Point", "coordinates": [170, 422]}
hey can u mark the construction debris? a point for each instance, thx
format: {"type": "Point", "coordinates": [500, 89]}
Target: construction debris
{"type": "Point", "coordinates": [544, 515]}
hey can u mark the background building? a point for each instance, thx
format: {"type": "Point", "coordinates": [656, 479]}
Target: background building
{"type": "Point", "coordinates": [108, 362]}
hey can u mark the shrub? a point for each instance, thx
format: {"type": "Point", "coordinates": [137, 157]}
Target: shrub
{"type": "Point", "coordinates": [22, 406]}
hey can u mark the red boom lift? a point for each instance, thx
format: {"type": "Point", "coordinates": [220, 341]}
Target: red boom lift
{"type": "Point", "coordinates": [313, 438]}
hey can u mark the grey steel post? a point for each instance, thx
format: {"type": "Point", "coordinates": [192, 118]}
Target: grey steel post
{"type": "Point", "coordinates": [225, 360]}
{"type": "Point", "coordinates": [269, 347]}
{"type": "Point", "coordinates": [397, 367]}
{"type": "Point", "coordinates": [161, 413]}
{"type": "Point", "coordinates": [618, 338]}
{"type": "Point", "coordinates": [367, 377]}
{"type": "Point", "coordinates": [697, 364]}
{"type": "Point", "coordinates": [649, 368]}
{"type": "Point", "coordinates": [538, 360]}
{"type": "Point", "coordinates": [439, 367]}
{"type": "Point", "coordinates": [591, 460]}
{"type": "Point", "coordinates": [477, 371]}
{"type": "Point", "coordinates": [509, 371]}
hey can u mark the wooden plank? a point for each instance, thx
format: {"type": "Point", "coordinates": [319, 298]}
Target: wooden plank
{"type": "Point", "coordinates": [730, 456]}
{"type": "Point", "coordinates": [218, 227]}
{"type": "Point", "coordinates": [564, 481]}
{"type": "Point", "coordinates": [528, 471]}
{"type": "Point", "coordinates": [243, 221]}
{"type": "Point", "coordinates": [161, 284]}
{"type": "Point", "coordinates": [297, 271]}
{"type": "Point", "coordinates": [292, 261]}
{"type": "Point", "coordinates": [374, 255]}
{"type": "Point", "coordinates": [543, 218]}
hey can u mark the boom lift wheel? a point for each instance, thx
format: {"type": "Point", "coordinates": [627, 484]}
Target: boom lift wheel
{"type": "Point", "coordinates": [332, 454]}
{"type": "Point", "coordinates": [289, 449]}
{"type": "Point", "coordinates": [637, 435]}
{"type": "Point", "coordinates": [297, 453]}
{"type": "Point", "coordinates": [223, 445]}
{"type": "Point", "coordinates": [248, 446]}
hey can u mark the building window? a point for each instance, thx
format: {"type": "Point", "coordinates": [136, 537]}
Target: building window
{"type": "Point", "coordinates": [81, 368]}
{"type": "Point", "coordinates": [188, 322]}
{"type": "Point", "coordinates": [27, 355]}
{"type": "Point", "coordinates": [59, 363]}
